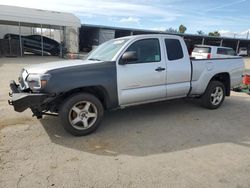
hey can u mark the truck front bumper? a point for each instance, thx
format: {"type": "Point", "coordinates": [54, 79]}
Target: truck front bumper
{"type": "Point", "coordinates": [23, 100]}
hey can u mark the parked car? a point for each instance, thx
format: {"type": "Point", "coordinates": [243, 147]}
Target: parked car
{"type": "Point", "coordinates": [120, 73]}
{"type": "Point", "coordinates": [32, 43]}
{"type": "Point", "coordinates": [243, 52]}
{"type": "Point", "coordinates": [209, 52]}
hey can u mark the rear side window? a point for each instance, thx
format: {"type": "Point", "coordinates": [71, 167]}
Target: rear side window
{"type": "Point", "coordinates": [225, 51]}
{"type": "Point", "coordinates": [222, 51]}
{"type": "Point", "coordinates": [148, 50]}
{"type": "Point", "coordinates": [206, 50]}
{"type": "Point", "coordinates": [231, 52]}
{"type": "Point", "coordinates": [174, 49]}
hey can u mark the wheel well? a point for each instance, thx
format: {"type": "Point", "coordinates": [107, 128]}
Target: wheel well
{"type": "Point", "coordinates": [225, 79]}
{"type": "Point", "coordinates": [97, 91]}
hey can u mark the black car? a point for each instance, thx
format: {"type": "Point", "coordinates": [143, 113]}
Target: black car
{"type": "Point", "coordinates": [32, 43]}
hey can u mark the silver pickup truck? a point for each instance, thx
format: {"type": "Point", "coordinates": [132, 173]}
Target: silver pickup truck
{"type": "Point", "coordinates": [120, 73]}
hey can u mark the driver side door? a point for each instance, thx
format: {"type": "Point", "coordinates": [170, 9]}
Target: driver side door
{"type": "Point", "coordinates": [142, 80]}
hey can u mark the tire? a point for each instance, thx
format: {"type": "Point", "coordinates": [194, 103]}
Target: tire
{"type": "Point", "coordinates": [214, 95]}
{"type": "Point", "coordinates": [81, 114]}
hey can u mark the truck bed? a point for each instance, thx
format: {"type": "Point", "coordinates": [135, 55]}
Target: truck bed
{"type": "Point", "coordinates": [204, 69]}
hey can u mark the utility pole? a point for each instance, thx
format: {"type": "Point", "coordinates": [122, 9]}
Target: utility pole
{"type": "Point", "coordinates": [247, 34]}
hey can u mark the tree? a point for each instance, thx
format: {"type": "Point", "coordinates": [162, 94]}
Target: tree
{"type": "Point", "coordinates": [182, 29]}
{"type": "Point", "coordinates": [200, 32]}
{"type": "Point", "coordinates": [171, 30]}
{"type": "Point", "coordinates": [214, 34]}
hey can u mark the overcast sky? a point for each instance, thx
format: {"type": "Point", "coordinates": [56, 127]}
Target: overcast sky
{"type": "Point", "coordinates": [227, 16]}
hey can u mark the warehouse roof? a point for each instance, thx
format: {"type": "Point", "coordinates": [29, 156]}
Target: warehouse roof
{"type": "Point", "coordinates": [163, 32]}
{"type": "Point", "coordinates": [12, 15]}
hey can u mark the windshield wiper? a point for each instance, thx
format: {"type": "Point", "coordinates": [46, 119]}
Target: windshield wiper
{"type": "Point", "coordinates": [94, 59]}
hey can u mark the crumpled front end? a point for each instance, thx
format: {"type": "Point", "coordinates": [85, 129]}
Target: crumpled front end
{"type": "Point", "coordinates": [24, 100]}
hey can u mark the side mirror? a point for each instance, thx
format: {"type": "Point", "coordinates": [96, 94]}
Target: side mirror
{"type": "Point", "coordinates": [128, 57]}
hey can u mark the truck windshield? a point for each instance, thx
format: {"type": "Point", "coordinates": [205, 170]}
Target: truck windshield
{"type": "Point", "coordinates": [107, 50]}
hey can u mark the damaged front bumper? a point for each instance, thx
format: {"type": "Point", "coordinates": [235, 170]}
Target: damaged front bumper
{"type": "Point", "coordinates": [23, 100]}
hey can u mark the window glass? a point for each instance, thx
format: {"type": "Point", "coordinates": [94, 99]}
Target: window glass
{"type": "Point", "coordinates": [231, 52]}
{"type": "Point", "coordinates": [107, 50]}
{"type": "Point", "coordinates": [174, 49]}
{"type": "Point", "coordinates": [222, 51]}
{"type": "Point", "coordinates": [202, 49]}
{"type": "Point", "coordinates": [226, 51]}
{"type": "Point", "coordinates": [243, 49]}
{"type": "Point", "coordinates": [148, 50]}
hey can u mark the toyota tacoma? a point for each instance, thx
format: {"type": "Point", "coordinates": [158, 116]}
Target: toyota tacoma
{"type": "Point", "coordinates": [120, 73]}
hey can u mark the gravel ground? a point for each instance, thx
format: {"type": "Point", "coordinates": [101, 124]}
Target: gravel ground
{"type": "Point", "coordinates": [168, 144]}
{"type": "Point", "coordinates": [247, 64]}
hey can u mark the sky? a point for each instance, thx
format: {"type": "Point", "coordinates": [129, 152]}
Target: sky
{"type": "Point", "coordinates": [230, 17]}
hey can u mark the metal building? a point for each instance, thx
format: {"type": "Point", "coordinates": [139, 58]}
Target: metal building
{"type": "Point", "coordinates": [66, 24]}
{"type": "Point", "coordinates": [92, 35]}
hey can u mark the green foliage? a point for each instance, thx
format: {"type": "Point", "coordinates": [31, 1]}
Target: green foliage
{"type": "Point", "coordinates": [171, 30]}
{"type": "Point", "coordinates": [200, 32]}
{"type": "Point", "coordinates": [182, 29]}
{"type": "Point", "coordinates": [214, 34]}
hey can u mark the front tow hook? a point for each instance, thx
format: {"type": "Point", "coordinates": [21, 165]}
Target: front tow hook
{"type": "Point", "coordinates": [10, 102]}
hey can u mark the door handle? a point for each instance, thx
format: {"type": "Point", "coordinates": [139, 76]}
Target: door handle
{"type": "Point", "coordinates": [160, 69]}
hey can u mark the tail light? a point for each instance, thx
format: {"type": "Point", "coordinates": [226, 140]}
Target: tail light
{"type": "Point", "coordinates": [209, 56]}
{"type": "Point", "coordinates": [246, 79]}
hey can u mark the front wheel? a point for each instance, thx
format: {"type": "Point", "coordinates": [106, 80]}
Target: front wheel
{"type": "Point", "coordinates": [81, 114]}
{"type": "Point", "coordinates": [214, 95]}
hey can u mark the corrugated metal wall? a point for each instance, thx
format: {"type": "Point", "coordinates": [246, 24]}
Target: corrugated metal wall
{"type": "Point", "coordinates": [9, 48]}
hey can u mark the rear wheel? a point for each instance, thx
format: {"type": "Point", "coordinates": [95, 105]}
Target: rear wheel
{"type": "Point", "coordinates": [81, 114]}
{"type": "Point", "coordinates": [214, 95]}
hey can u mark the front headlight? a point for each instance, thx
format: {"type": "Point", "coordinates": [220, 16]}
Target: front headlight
{"type": "Point", "coordinates": [37, 81]}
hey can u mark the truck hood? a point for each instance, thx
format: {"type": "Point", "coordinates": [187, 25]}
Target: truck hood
{"type": "Point", "coordinates": [45, 67]}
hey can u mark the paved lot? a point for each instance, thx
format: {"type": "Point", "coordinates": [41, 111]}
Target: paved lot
{"type": "Point", "coordinates": [168, 144]}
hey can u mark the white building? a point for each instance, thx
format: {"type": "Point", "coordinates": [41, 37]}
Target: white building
{"type": "Point", "coordinates": [63, 27]}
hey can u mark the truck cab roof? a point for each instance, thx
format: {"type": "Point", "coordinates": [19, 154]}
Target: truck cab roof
{"type": "Point", "coordinates": [149, 36]}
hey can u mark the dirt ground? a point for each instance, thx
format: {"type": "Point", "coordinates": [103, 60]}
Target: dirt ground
{"type": "Point", "coordinates": [247, 63]}
{"type": "Point", "coordinates": [168, 144]}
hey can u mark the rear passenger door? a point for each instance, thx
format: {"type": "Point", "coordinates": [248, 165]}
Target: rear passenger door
{"type": "Point", "coordinates": [178, 68]}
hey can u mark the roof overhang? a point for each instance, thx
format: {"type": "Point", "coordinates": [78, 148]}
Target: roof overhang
{"type": "Point", "coordinates": [185, 35]}
{"type": "Point", "coordinates": [11, 15]}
